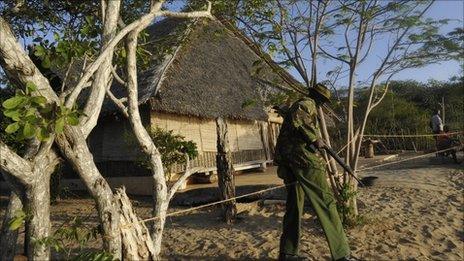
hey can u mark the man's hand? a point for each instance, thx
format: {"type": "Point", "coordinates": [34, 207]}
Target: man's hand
{"type": "Point", "coordinates": [319, 144]}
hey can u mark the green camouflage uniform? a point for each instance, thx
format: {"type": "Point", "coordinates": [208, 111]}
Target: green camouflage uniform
{"type": "Point", "coordinates": [298, 163]}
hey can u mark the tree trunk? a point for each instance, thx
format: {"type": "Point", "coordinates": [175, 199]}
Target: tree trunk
{"type": "Point", "coordinates": [160, 202]}
{"type": "Point", "coordinates": [9, 237]}
{"type": "Point", "coordinates": [225, 171]}
{"type": "Point", "coordinates": [332, 164]}
{"type": "Point", "coordinates": [264, 131]}
{"type": "Point", "coordinates": [38, 211]}
{"type": "Point", "coordinates": [137, 243]}
{"type": "Point", "coordinates": [74, 147]}
{"type": "Point", "coordinates": [368, 149]}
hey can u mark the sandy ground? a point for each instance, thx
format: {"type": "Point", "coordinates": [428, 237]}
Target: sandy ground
{"type": "Point", "coordinates": [414, 211]}
{"type": "Point", "coordinates": [411, 214]}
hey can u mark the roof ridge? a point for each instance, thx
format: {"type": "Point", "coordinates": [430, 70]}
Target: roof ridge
{"type": "Point", "coordinates": [186, 33]}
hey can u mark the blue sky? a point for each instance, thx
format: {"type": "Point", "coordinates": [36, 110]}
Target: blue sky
{"type": "Point", "coordinates": [451, 9]}
{"type": "Point", "coordinates": [441, 9]}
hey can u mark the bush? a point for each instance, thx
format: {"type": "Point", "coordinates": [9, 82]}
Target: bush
{"type": "Point", "coordinates": [172, 147]}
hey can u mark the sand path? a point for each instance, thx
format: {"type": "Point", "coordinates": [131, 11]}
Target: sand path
{"type": "Point", "coordinates": [414, 211]}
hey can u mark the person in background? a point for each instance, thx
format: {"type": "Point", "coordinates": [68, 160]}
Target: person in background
{"type": "Point", "coordinates": [436, 124]}
{"type": "Point", "coordinates": [444, 141]}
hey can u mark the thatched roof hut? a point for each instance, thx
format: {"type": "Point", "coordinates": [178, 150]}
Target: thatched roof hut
{"type": "Point", "coordinates": [206, 69]}
{"type": "Point", "coordinates": [201, 70]}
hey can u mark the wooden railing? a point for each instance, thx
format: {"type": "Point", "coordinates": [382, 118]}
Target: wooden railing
{"type": "Point", "coordinates": [207, 159]}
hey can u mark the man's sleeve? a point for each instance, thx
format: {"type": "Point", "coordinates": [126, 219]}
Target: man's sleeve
{"type": "Point", "coordinates": [304, 117]}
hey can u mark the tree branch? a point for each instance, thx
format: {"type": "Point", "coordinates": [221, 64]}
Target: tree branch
{"type": "Point", "coordinates": [118, 102]}
{"type": "Point", "coordinates": [187, 173]}
{"type": "Point", "coordinates": [193, 14]}
{"type": "Point", "coordinates": [117, 77]}
{"type": "Point", "coordinates": [332, 56]}
{"type": "Point", "coordinates": [12, 164]}
{"type": "Point", "coordinates": [144, 20]}
{"type": "Point", "coordinates": [102, 75]}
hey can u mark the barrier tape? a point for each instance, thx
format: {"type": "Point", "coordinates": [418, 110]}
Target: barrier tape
{"type": "Point", "coordinates": [175, 213]}
{"type": "Point", "coordinates": [411, 158]}
{"type": "Point", "coordinates": [412, 135]}
{"type": "Point", "coordinates": [401, 136]}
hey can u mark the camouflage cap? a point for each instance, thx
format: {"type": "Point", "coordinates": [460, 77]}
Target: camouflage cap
{"type": "Point", "coordinates": [319, 91]}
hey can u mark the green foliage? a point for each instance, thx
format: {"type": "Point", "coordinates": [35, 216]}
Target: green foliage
{"type": "Point", "coordinates": [172, 147]}
{"type": "Point", "coordinates": [75, 233]}
{"type": "Point", "coordinates": [344, 207]}
{"type": "Point", "coordinates": [393, 115]}
{"type": "Point", "coordinates": [5, 122]}
{"type": "Point", "coordinates": [32, 116]}
{"type": "Point", "coordinates": [406, 109]}
{"type": "Point", "coordinates": [18, 220]}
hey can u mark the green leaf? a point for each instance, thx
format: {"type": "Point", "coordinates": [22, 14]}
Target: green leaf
{"type": "Point", "coordinates": [13, 127]}
{"type": "Point", "coordinates": [59, 125]}
{"type": "Point", "coordinates": [17, 221]}
{"type": "Point", "coordinates": [13, 114]}
{"type": "Point", "coordinates": [43, 134]}
{"type": "Point", "coordinates": [32, 119]}
{"type": "Point", "coordinates": [29, 130]}
{"type": "Point", "coordinates": [19, 136]}
{"type": "Point", "coordinates": [15, 224]}
{"type": "Point", "coordinates": [30, 86]}
{"type": "Point", "coordinates": [14, 102]}
{"type": "Point", "coordinates": [46, 62]}
{"type": "Point", "coordinates": [39, 51]}
{"type": "Point", "coordinates": [46, 109]}
{"type": "Point", "coordinates": [39, 100]}
{"type": "Point", "coordinates": [72, 120]}
{"type": "Point", "coordinates": [30, 112]}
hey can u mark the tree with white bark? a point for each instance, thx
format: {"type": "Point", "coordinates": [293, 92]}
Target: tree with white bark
{"type": "Point", "coordinates": [29, 175]}
{"type": "Point", "coordinates": [366, 24]}
{"type": "Point", "coordinates": [303, 34]}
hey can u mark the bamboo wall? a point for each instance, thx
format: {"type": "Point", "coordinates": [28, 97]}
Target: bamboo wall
{"type": "Point", "coordinates": [243, 135]}
{"type": "Point", "coordinates": [116, 151]}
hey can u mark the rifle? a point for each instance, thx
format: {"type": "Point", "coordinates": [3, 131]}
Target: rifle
{"type": "Point", "coordinates": [339, 160]}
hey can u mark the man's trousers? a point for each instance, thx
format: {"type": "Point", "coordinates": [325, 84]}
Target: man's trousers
{"type": "Point", "coordinates": [312, 183]}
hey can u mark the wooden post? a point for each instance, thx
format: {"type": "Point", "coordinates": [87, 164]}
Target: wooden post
{"type": "Point", "coordinates": [443, 109]}
{"type": "Point", "coordinates": [369, 150]}
{"type": "Point", "coordinates": [225, 171]}
{"type": "Point", "coordinates": [264, 133]}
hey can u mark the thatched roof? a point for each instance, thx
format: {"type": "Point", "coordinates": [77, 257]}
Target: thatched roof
{"type": "Point", "coordinates": [208, 72]}
{"type": "Point", "coordinates": [204, 68]}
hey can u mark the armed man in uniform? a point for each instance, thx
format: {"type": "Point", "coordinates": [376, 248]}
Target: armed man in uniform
{"type": "Point", "coordinates": [299, 162]}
